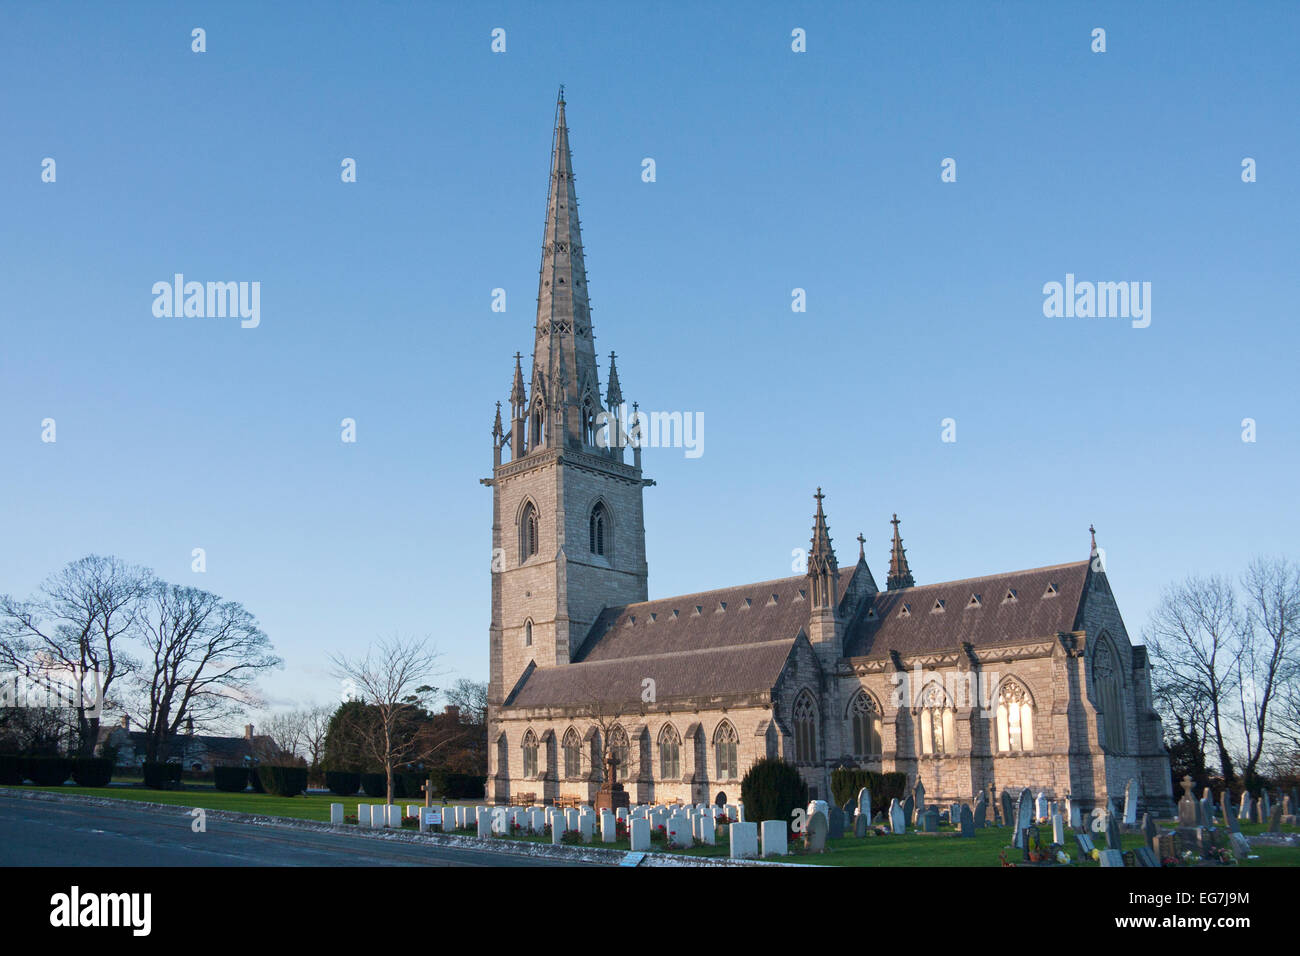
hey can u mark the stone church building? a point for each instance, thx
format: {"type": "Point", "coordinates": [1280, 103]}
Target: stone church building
{"type": "Point", "coordinates": [1019, 679]}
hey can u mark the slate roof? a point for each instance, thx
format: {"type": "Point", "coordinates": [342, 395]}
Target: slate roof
{"type": "Point", "coordinates": [736, 640]}
{"type": "Point", "coordinates": [995, 621]}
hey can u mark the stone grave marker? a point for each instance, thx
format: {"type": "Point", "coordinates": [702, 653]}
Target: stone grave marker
{"type": "Point", "coordinates": [1131, 796]}
{"type": "Point", "coordinates": [608, 827]}
{"type": "Point", "coordinates": [918, 803]}
{"type": "Point", "coordinates": [363, 814]}
{"type": "Point", "coordinates": [1114, 840]}
{"type": "Point", "coordinates": [1112, 858]}
{"type": "Point", "coordinates": [863, 818]}
{"type": "Point", "coordinates": [1040, 806]}
{"type": "Point", "coordinates": [483, 820]}
{"type": "Point", "coordinates": [1024, 813]}
{"type": "Point", "coordinates": [775, 842]}
{"type": "Point", "coordinates": [835, 824]}
{"type": "Point", "coordinates": [1074, 814]}
{"type": "Point", "coordinates": [1275, 820]}
{"type": "Point", "coordinates": [979, 819]}
{"type": "Point", "coordinates": [909, 809]}
{"type": "Point", "coordinates": [744, 840]}
{"type": "Point", "coordinates": [897, 820]}
{"type": "Point", "coordinates": [336, 814]}
{"type": "Point", "coordinates": [1265, 805]}
{"type": "Point", "coordinates": [639, 833]}
{"type": "Point", "coordinates": [1147, 857]}
{"type": "Point", "coordinates": [966, 820]}
{"type": "Point", "coordinates": [1085, 844]}
{"type": "Point", "coordinates": [929, 820]}
{"type": "Point", "coordinates": [1240, 845]}
{"type": "Point", "coordinates": [816, 832]}
{"type": "Point", "coordinates": [1243, 810]}
{"type": "Point", "coordinates": [1008, 810]}
{"type": "Point", "coordinates": [1058, 828]}
{"type": "Point", "coordinates": [1149, 830]}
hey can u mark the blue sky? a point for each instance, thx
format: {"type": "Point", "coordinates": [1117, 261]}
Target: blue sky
{"type": "Point", "coordinates": [775, 170]}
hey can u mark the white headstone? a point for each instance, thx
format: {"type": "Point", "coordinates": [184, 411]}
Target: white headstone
{"type": "Point", "coordinates": [1040, 806]}
{"type": "Point", "coordinates": [744, 840]}
{"type": "Point", "coordinates": [537, 820]}
{"type": "Point", "coordinates": [775, 842]}
{"type": "Point", "coordinates": [1131, 802]}
{"type": "Point", "coordinates": [639, 833]}
{"type": "Point", "coordinates": [413, 810]}
{"type": "Point", "coordinates": [394, 813]}
{"type": "Point", "coordinates": [897, 819]}
{"type": "Point", "coordinates": [679, 830]}
{"type": "Point", "coordinates": [1058, 828]}
{"type": "Point", "coordinates": [336, 814]}
{"type": "Point", "coordinates": [587, 826]}
{"type": "Point", "coordinates": [363, 814]}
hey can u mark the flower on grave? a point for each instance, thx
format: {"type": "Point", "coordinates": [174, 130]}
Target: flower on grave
{"type": "Point", "coordinates": [1095, 854]}
{"type": "Point", "coordinates": [1062, 856]}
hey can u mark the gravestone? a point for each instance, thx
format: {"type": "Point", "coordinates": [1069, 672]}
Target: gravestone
{"type": "Point", "coordinates": [706, 830]}
{"type": "Point", "coordinates": [979, 819]}
{"type": "Point", "coordinates": [897, 821]}
{"type": "Point", "coordinates": [1240, 845]}
{"type": "Point", "coordinates": [608, 827]}
{"type": "Point", "coordinates": [1008, 810]}
{"type": "Point", "coordinates": [744, 840]}
{"type": "Point", "coordinates": [1231, 818]}
{"type": "Point", "coordinates": [863, 819]}
{"type": "Point", "coordinates": [1265, 805]}
{"type": "Point", "coordinates": [909, 807]}
{"type": "Point", "coordinates": [1058, 828]}
{"type": "Point", "coordinates": [1243, 811]}
{"type": "Point", "coordinates": [1040, 806]}
{"type": "Point", "coordinates": [1149, 830]}
{"type": "Point", "coordinates": [929, 820]}
{"type": "Point", "coordinates": [537, 820]}
{"type": "Point", "coordinates": [918, 804]}
{"type": "Point", "coordinates": [967, 821]}
{"type": "Point", "coordinates": [448, 819]}
{"type": "Point", "coordinates": [679, 830]}
{"type": "Point", "coordinates": [835, 824]}
{"type": "Point", "coordinates": [1112, 858]}
{"type": "Point", "coordinates": [1166, 847]}
{"type": "Point", "coordinates": [1147, 857]}
{"type": "Point", "coordinates": [1131, 802]}
{"type": "Point", "coordinates": [1275, 820]}
{"type": "Point", "coordinates": [775, 842]}
{"type": "Point", "coordinates": [363, 814]}
{"type": "Point", "coordinates": [1085, 844]}
{"type": "Point", "coordinates": [1254, 810]}
{"type": "Point", "coordinates": [1074, 813]}
{"type": "Point", "coordinates": [557, 829]}
{"type": "Point", "coordinates": [483, 821]}
{"type": "Point", "coordinates": [1113, 838]}
{"type": "Point", "coordinates": [1023, 818]}
{"type": "Point", "coordinates": [1186, 805]}
{"type": "Point", "coordinates": [336, 813]}
{"type": "Point", "coordinates": [815, 834]}
{"type": "Point", "coordinates": [639, 833]}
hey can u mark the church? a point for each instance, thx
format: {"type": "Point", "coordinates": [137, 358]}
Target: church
{"type": "Point", "coordinates": [1018, 679]}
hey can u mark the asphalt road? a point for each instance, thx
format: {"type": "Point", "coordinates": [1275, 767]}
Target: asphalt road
{"type": "Point", "coordinates": [37, 833]}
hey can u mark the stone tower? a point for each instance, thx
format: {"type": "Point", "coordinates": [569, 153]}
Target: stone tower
{"type": "Point", "coordinates": [568, 532]}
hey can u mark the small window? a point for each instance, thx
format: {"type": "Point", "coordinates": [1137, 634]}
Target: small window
{"type": "Point", "coordinates": [974, 601]}
{"type": "Point", "coordinates": [1050, 592]}
{"type": "Point", "coordinates": [598, 528]}
{"type": "Point", "coordinates": [528, 633]}
{"type": "Point", "coordinates": [938, 607]}
{"type": "Point", "coordinates": [1009, 597]}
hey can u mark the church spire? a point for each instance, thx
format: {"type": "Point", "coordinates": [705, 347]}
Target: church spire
{"type": "Point", "coordinates": [563, 331]}
{"type": "Point", "coordinates": [518, 411]}
{"type": "Point", "coordinates": [614, 397]}
{"type": "Point", "coordinates": [822, 566]}
{"type": "Point", "coordinates": [900, 576]}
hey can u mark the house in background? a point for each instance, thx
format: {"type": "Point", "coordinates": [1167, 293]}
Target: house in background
{"type": "Point", "coordinates": [198, 752]}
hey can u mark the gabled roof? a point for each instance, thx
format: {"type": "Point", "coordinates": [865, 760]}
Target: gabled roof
{"type": "Point", "coordinates": [993, 620]}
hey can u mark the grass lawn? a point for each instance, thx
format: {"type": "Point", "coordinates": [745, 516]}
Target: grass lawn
{"type": "Point", "coordinates": [911, 849]}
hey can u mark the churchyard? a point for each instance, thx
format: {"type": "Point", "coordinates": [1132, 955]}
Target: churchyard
{"type": "Point", "coordinates": [818, 835]}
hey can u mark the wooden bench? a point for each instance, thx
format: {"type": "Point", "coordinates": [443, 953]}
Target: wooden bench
{"type": "Point", "coordinates": [523, 799]}
{"type": "Point", "coordinates": [565, 801]}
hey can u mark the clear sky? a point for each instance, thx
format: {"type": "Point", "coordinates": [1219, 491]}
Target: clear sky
{"type": "Point", "coordinates": [775, 170]}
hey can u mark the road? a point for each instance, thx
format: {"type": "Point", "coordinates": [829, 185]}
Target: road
{"type": "Point", "coordinates": [40, 833]}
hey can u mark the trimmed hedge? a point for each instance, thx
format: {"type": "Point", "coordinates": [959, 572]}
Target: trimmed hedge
{"type": "Point", "coordinates": [255, 780]}
{"type": "Point", "coordinates": [464, 786]}
{"type": "Point", "coordinates": [48, 771]}
{"type": "Point", "coordinates": [771, 790]}
{"type": "Point", "coordinates": [375, 784]}
{"type": "Point", "coordinates": [343, 783]}
{"type": "Point", "coordinates": [846, 782]}
{"type": "Point", "coordinates": [92, 771]}
{"type": "Point", "coordinates": [11, 770]}
{"type": "Point", "coordinates": [161, 776]}
{"type": "Point", "coordinates": [230, 779]}
{"type": "Point", "coordinates": [283, 781]}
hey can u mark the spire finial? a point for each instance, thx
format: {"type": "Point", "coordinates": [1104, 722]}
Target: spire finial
{"type": "Point", "coordinates": [900, 575]}
{"type": "Point", "coordinates": [561, 96]}
{"type": "Point", "coordinates": [862, 547]}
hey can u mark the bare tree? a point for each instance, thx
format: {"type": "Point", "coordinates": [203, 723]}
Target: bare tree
{"type": "Point", "coordinates": [204, 655]}
{"type": "Point", "coordinates": [1192, 636]}
{"type": "Point", "coordinates": [286, 731]}
{"type": "Point", "coordinates": [316, 724]}
{"type": "Point", "coordinates": [392, 672]}
{"type": "Point", "coordinates": [470, 697]}
{"type": "Point", "coordinates": [76, 628]}
{"type": "Point", "coordinates": [1270, 633]}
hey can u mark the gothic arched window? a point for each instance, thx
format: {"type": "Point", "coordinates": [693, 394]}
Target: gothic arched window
{"type": "Point", "coordinates": [805, 729]}
{"type": "Point", "coordinates": [572, 754]}
{"type": "Point", "coordinates": [724, 750]}
{"type": "Point", "coordinates": [622, 752]}
{"type": "Point", "coordinates": [527, 532]}
{"type": "Point", "coordinates": [670, 753]}
{"type": "Point", "coordinates": [938, 721]}
{"type": "Point", "coordinates": [537, 433]}
{"type": "Point", "coordinates": [530, 754]}
{"type": "Point", "coordinates": [1108, 695]}
{"type": "Point", "coordinates": [864, 715]}
{"type": "Point", "coordinates": [599, 528]}
{"type": "Point", "coordinates": [528, 633]}
{"type": "Point", "coordinates": [1015, 713]}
